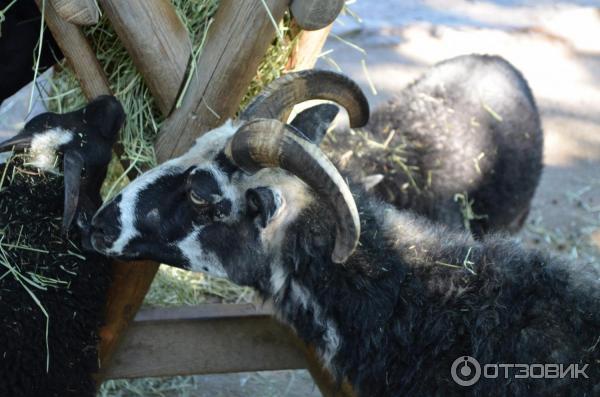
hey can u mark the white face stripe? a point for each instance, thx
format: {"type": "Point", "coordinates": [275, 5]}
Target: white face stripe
{"type": "Point", "coordinates": [203, 152]}
{"type": "Point", "coordinates": [127, 208]}
{"type": "Point", "coordinates": [44, 146]}
{"type": "Point", "coordinates": [198, 258]}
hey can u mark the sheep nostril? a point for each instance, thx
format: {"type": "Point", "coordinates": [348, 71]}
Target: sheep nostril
{"type": "Point", "coordinates": [104, 233]}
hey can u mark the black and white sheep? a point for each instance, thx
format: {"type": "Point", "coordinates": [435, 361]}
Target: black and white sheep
{"type": "Point", "coordinates": [391, 307]}
{"type": "Point", "coordinates": [31, 206]}
{"type": "Point", "coordinates": [468, 130]}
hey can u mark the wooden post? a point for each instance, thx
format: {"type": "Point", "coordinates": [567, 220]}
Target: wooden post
{"type": "Point", "coordinates": [308, 48]}
{"type": "Point", "coordinates": [236, 43]}
{"type": "Point", "coordinates": [78, 52]}
{"type": "Point", "coordinates": [79, 12]}
{"type": "Point", "coordinates": [157, 41]}
{"type": "Point", "coordinates": [316, 14]}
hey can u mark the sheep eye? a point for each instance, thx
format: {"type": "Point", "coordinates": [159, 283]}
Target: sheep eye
{"type": "Point", "coordinates": [198, 200]}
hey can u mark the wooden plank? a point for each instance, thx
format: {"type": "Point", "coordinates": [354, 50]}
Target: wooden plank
{"type": "Point", "coordinates": [308, 48]}
{"type": "Point", "coordinates": [316, 14]}
{"type": "Point", "coordinates": [130, 283]}
{"type": "Point", "coordinates": [78, 12]}
{"type": "Point", "coordinates": [78, 52]}
{"type": "Point", "coordinates": [204, 340]}
{"type": "Point", "coordinates": [157, 41]}
{"type": "Point", "coordinates": [236, 43]}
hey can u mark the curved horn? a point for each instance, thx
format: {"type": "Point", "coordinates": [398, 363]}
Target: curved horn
{"type": "Point", "coordinates": [278, 98]}
{"type": "Point", "coordinates": [267, 143]}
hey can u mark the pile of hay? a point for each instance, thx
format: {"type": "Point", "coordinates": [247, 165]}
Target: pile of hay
{"type": "Point", "coordinates": [52, 297]}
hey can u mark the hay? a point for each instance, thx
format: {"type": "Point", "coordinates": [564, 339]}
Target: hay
{"type": "Point", "coordinates": [174, 287]}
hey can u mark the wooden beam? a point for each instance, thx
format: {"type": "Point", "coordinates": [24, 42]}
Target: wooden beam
{"type": "Point", "coordinates": [78, 12]}
{"type": "Point", "coordinates": [323, 378]}
{"type": "Point", "coordinates": [316, 14]}
{"type": "Point", "coordinates": [78, 52]}
{"type": "Point", "coordinates": [307, 49]}
{"type": "Point", "coordinates": [236, 43]}
{"type": "Point", "coordinates": [130, 283]}
{"type": "Point", "coordinates": [157, 41]}
{"type": "Point", "coordinates": [204, 340]}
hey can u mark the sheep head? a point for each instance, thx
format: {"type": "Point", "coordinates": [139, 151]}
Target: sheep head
{"type": "Point", "coordinates": [231, 198]}
{"type": "Point", "coordinates": [84, 138]}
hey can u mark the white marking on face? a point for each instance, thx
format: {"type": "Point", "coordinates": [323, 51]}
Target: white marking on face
{"type": "Point", "coordinates": [44, 146]}
{"type": "Point", "coordinates": [198, 259]}
{"type": "Point", "coordinates": [127, 208]}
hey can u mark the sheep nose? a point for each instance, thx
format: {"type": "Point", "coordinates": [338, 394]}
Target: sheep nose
{"type": "Point", "coordinates": [103, 233]}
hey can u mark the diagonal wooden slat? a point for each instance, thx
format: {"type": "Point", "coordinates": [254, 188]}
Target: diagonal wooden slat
{"type": "Point", "coordinates": [236, 43]}
{"type": "Point", "coordinates": [157, 41]}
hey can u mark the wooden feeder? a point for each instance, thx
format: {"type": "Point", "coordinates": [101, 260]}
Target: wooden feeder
{"type": "Point", "coordinates": [213, 338]}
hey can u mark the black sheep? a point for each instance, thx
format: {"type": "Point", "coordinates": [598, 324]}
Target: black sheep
{"type": "Point", "coordinates": [74, 282]}
{"type": "Point", "coordinates": [461, 145]}
{"type": "Point", "coordinates": [391, 308]}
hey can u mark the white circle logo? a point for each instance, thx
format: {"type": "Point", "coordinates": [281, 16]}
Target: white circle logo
{"type": "Point", "coordinates": [465, 371]}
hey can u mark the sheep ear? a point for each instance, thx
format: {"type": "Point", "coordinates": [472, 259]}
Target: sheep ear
{"type": "Point", "coordinates": [370, 181]}
{"type": "Point", "coordinates": [314, 122]}
{"type": "Point", "coordinates": [73, 165]}
{"type": "Point", "coordinates": [262, 203]}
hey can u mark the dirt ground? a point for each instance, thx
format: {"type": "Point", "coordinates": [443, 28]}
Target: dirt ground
{"type": "Point", "coordinates": [556, 47]}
